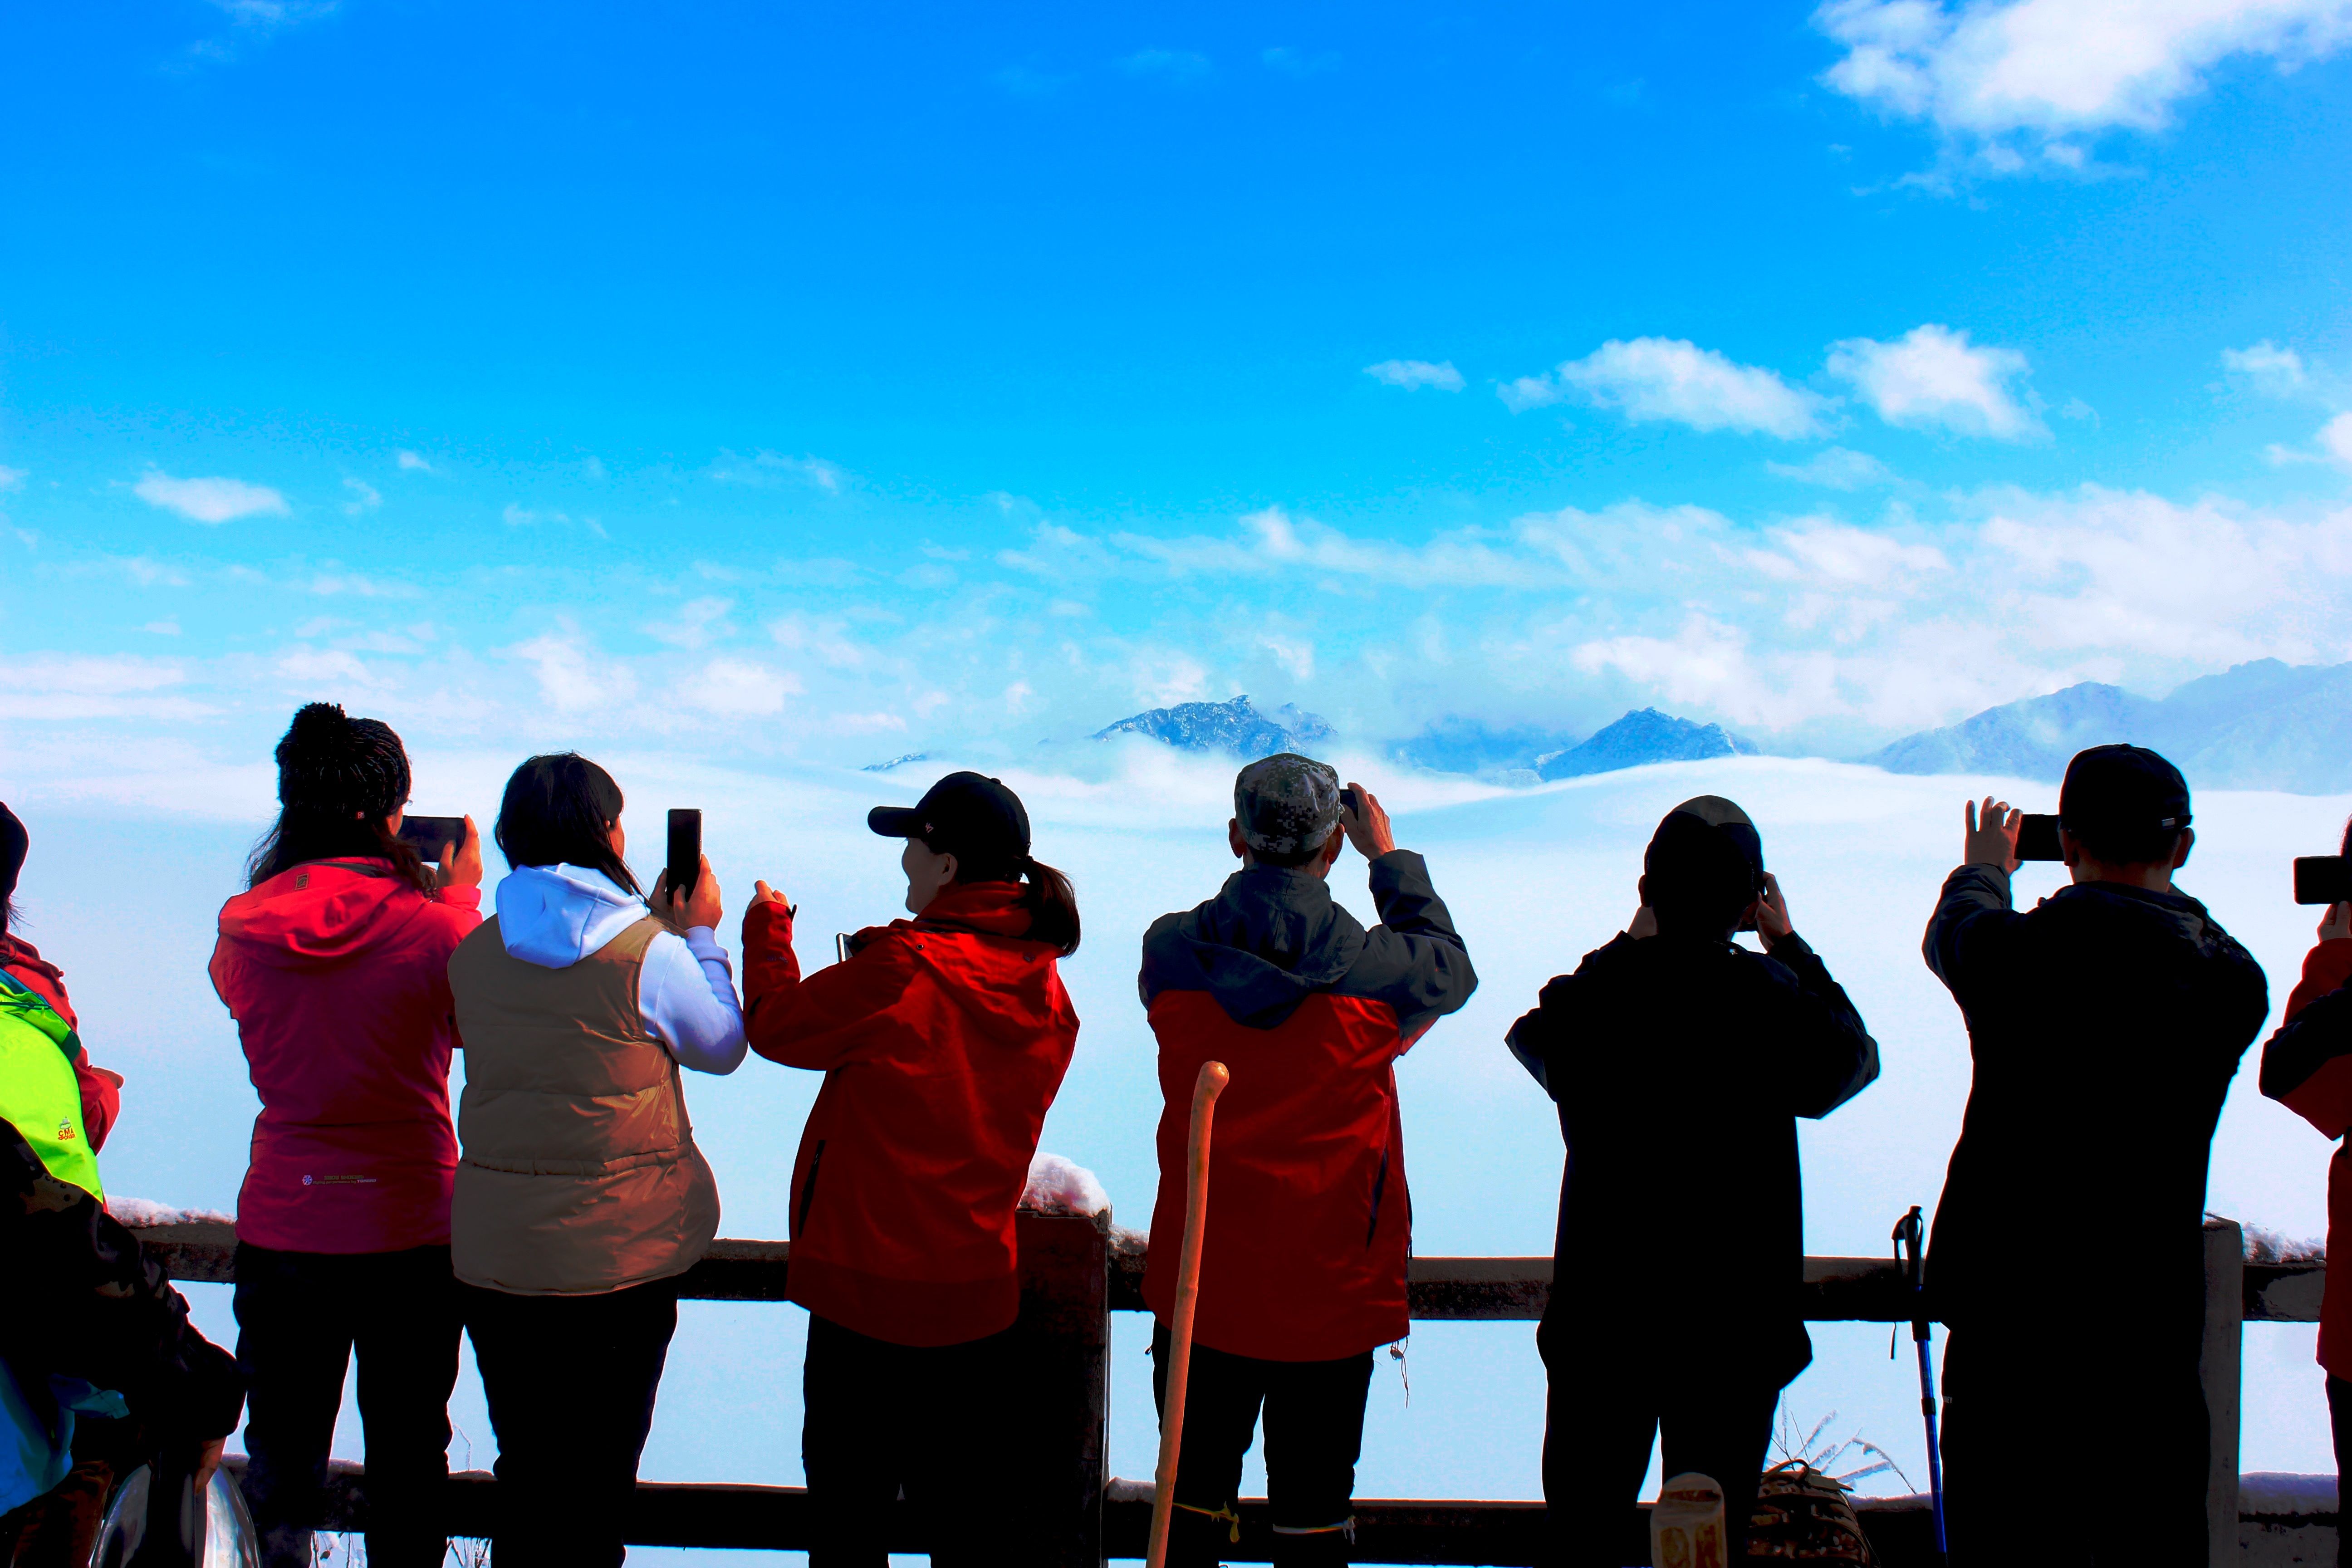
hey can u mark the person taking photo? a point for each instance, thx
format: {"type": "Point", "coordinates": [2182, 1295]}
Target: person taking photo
{"type": "Point", "coordinates": [2307, 1068]}
{"type": "Point", "coordinates": [579, 1196]}
{"type": "Point", "coordinates": [335, 964]}
{"type": "Point", "coordinates": [2104, 1025]}
{"type": "Point", "coordinates": [1680, 1061]}
{"type": "Point", "coordinates": [1303, 1265]}
{"type": "Point", "coordinates": [943, 1040]}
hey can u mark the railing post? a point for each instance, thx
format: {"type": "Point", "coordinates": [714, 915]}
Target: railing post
{"type": "Point", "coordinates": [2218, 1368]}
{"type": "Point", "coordinates": [1063, 1339]}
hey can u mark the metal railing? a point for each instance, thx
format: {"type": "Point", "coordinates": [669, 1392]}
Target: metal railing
{"type": "Point", "coordinates": [1077, 1271]}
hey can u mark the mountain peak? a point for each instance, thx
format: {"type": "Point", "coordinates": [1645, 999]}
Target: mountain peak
{"type": "Point", "coordinates": [1238, 727]}
{"type": "Point", "coordinates": [1643, 735]}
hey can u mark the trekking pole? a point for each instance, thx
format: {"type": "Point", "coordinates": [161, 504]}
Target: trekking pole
{"type": "Point", "coordinates": [1206, 1089]}
{"type": "Point", "coordinates": [1909, 1233]}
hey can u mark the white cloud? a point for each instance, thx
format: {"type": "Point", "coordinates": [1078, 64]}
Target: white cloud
{"type": "Point", "coordinates": [1415, 374]}
{"type": "Point", "coordinates": [694, 624]}
{"type": "Point", "coordinates": [1677, 381]}
{"type": "Point", "coordinates": [2039, 71]}
{"type": "Point", "coordinates": [571, 679]}
{"type": "Point", "coordinates": [765, 468]}
{"type": "Point", "coordinates": [72, 686]}
{"type": "Point", "coordinates": [2274, 371]}
{"type": "Point", "coordinates": [10, 477]}
{"type": "Point", "coordinates": [208, 500]}
{"type": "Point", "coordinates": [1932, 377]}
{"type": "Point", "coordinates": [1837, 468]}
{"type": "Point", "coordinates": [2336, 439]}
{"type": "Point", "coordinates": [1169, 65]}
{"type": "Point", "coordinates": [416, 461]}
{"type": "Point", "coordinates": [366, 497]}
{"type": "Point", "coordinates": [163, 628]}
{"type": "Point", "coordinates": [735, 686]}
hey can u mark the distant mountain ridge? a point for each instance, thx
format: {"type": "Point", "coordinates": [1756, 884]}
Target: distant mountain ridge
{"type": "Point", "coordinates": [1237, 726]}
{"type": "Point", "coordinates": [1642, 737]}
{"type": "Point", "coordinates": [2263, 725]}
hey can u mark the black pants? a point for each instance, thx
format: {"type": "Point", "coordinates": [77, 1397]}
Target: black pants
{"type": "Point", "coordinates": [570, 1382]}
{"type": "Point", "coordinates": [1605, 1406]}
{"type": "Point", "coordinates": [2132, 1400]}
{"type": "Point", "coordinates": [301, 1316]}
{"type": "Point", "coordinates": [938, 1421]}
{"type": "Point", "coordinates": [1314, 1432]}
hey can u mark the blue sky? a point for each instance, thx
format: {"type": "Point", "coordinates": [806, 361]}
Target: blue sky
{"type": "Point", "coordinates": [831, 385]}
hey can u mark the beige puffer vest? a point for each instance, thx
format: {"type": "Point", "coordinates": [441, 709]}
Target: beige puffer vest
{"type": "Point", "coordinates": [579, 1174]}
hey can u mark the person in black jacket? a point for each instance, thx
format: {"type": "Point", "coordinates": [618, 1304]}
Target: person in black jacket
{"type": "Point", "coordinates": [91, 1332]}
{"type": "Point", "coordinates": [1680, 1061]}
{"type": "Point", "coordinates": [2106, 1025]}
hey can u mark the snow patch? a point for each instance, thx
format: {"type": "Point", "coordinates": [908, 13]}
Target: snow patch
{"type": "Point", "coordinates": [2269, 1247]}
{"type": "Point", "coordinates": [1060, 1186]}
{"type": "Point", "coordinates": [1120, 1490]}
{"type": "Point", "coordinates": [139, 1213]}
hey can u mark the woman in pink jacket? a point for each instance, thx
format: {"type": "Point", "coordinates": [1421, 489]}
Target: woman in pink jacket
{"type": "Point", "coordinates": [335, 965]}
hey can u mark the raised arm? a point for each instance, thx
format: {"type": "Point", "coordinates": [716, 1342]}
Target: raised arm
{"type": "Point", "coordinates": [813, 1022]}
{"type": "Point", "coordinates": [2307, 1065]}
{"type": "Point", "coordinates": [1974, 911]}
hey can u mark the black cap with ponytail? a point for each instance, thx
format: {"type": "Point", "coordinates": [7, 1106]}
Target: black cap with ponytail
{"type": "Point", "coordinates": [1052, 906]}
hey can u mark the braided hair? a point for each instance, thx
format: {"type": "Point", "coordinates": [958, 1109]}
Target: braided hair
{"type": "Point", "coordinates": [339, 778]}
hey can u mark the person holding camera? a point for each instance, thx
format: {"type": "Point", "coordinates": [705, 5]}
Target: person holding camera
{"type": "Point", "coordinates": [943, 1040]}
{"type": "Point", "coordinates": [581, 1196]}
{"type": "Point", "coordinates": [335, 964]}
{"type": "Point", "coordinates": [1680, 1061]}
{"type": "Point", "coordinates": [1310, 1224]}
{"type": "Point", "coordinates": [2307, 1068]}
{"type": "Point", "coordinates": [2104, 1025]}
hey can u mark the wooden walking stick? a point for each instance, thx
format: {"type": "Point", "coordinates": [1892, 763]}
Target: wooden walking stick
{"type": "Point", "coordinates": [1206, 1089]}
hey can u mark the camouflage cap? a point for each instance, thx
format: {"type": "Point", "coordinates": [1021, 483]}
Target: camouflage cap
{"type": "Point", "coordinates": [1286, 803]}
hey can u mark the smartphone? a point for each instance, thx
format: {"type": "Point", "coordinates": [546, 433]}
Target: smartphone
{"type": "Point", "coordinates": [1348, 802]}
{"type": "Point", "coordinates": [841, 947]}
{"type": "Point", "coordinates": [2322, 879]}
{"type": "Point", "coordinates": [684, 853]}
{"type": "Point", "coordinates": [2037, 839]}
{"type": "Point", "coordinates": [429, 835]}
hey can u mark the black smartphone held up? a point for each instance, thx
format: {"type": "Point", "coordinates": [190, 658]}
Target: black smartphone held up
{"type": "Point", "coordinates": [684, 853]}
{"type": "Point", "coordinates": [1347, 803]}
{"type": "Point", "coordinates": [2037, 839]}
{"type": "Point", "coordinates": [429, 836]}
{"type": "Point", "coordinates": [2322, 879]}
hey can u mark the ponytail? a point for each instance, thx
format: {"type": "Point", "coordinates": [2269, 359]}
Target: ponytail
{"type": "Point", "coordinates": [1052, 906]}
{"type": "Point", "coordinates": [339, 779]}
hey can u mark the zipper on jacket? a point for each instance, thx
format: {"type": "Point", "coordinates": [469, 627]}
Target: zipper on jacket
{"type": "Point", "coordinates": [808, 1188]}
{"type": "Point", "coordinates": [1380, 1190]}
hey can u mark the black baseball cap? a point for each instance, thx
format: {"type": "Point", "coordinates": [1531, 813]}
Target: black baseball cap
{"type": "Point", "coordinates": [2128, 787]}
{"type": "Point", "coordinates": [1708, 836]}
{"type": "Point", "coordinates": [13, 842]}
{"type": "Point", "coordinates": [969, 816]}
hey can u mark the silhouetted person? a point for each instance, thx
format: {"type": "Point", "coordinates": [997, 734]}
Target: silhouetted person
{"type": "Point", "coordinates": [2104, 1024]}
{"type": "Point", "coordinates": [1309, 1225]}
{"type": "Point", "coordinates": [1680, 1061]}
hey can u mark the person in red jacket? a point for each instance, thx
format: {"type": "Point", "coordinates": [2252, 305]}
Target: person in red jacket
{"type": "Point", "coordinates": [2307, 1067]}
{"type": "Point", "coordinates": [335, 965]}
{"type": "Point", "coordinates": [1302, 1264]}
{"type": "Point", "coordinates": [101, 1090]}
{"type": "Point", "coordinates": [943, 1040]}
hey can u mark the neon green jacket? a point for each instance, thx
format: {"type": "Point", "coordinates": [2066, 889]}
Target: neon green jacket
{"type": "Point", "coordinates": [38, 1093]}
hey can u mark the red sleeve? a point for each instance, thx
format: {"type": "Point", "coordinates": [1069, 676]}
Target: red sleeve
{"type": "Point", "coordinates": [101, 1100]}
{"type": "Point", "coordinates": [812, 1023]}
{"type": "Point", "coordinates": [2325, 968]}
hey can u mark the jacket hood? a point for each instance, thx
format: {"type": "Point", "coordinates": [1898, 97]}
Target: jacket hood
{"type": "Point", "coordinates": [1007, 988]}
{"type": "Point", "coordinates": [554, 916]}
{"type": "Point", "coordinates": [1270, 939]}
{"type": "Point", "coordinates": [2175, 914]}
{"type": "Point", "coordinates": [323, 912]}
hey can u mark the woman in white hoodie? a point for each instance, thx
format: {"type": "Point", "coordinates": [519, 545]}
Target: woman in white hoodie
{"type": "Point", "coordinates": [580, 1195]}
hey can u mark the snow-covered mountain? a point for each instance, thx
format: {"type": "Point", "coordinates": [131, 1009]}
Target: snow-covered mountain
{"type": "Point", "coordinates": [2263, 725]}
{"type": "Point", "coordinates": [1643, 736]}
{"type": "Point", "coordinates": [1237, 726]}
{"type": "Point", "coordinates": [1457, 745]}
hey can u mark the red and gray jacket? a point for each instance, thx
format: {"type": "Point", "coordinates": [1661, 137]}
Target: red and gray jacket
{"type": "Point", "coordinates": [2307, 1067]}
{"type": "Point", "coordinates": [943, 1041]}
{"type": "Point", "coordinates": [1309, 1221]}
